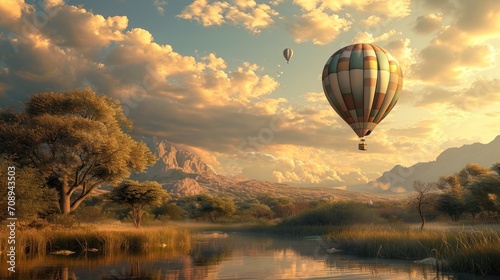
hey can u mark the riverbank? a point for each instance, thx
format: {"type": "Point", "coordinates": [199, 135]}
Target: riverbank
{"type": "Point", "coordinates": [471, 250]}
{"type": "Point", "coordinates": [102, 239]}
{"type": "Point", "coordinates": [460, 248]}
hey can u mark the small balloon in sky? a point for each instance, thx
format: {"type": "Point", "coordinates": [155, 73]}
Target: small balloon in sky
{"type": "Point", "coordinates": [362, 82]}
{"type": "Point", "coordinates": [288, 54]}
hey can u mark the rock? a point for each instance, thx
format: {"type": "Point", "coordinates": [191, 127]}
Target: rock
{"type": "Point", "coordinates": [173, 164]}
{"type": "Point", "coordinates": [185, 187]}
{"type": "Point", "coordinates": [62, 252]}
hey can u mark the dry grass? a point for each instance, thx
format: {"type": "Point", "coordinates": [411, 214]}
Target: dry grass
{"type": "Point", "coordinates": [108, 240]}
{"type": "Point", "coordinates": [465, 250]}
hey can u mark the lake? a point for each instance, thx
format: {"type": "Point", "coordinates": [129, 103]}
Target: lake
{"type": "Point", "coordinates": [217, 255]}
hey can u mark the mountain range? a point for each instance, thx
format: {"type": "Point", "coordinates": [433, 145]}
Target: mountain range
{"type": "Point", "coordinates": [400, 179]}
{"type": "Point", "coordinates": [182, 173]}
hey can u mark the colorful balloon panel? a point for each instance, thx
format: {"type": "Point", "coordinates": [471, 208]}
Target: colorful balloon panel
{"type": "Point", "coordinates": [362, 82]}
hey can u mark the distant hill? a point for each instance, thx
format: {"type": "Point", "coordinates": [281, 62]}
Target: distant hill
{"type": "Point", "coordinates": [400, 179]}
{"type": "Point", "coordinates": [182, 173]}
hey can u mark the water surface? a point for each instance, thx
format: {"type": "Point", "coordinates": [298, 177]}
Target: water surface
{"type": "Point", "coordinates": [230, 256]}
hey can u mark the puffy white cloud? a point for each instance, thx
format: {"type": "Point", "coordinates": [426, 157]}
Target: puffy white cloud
{"type": "Point", "coordinates": [318, 27]}
{"type": "Point", "coordinates": [365, 37]}
{"type": "Point", "coordinates": [383, 8]}
{"type": "Point", "coordinates": [11, 11]}
{"type": "Point", "coordinates": [252, 16]}
{"type": "Point", "coordinates": [461, 47]}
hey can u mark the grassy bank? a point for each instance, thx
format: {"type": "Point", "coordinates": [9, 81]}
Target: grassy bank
{"type": "Point", "coordinates": [103, 240]}
{"type": "Point", "coordinates": [466, 250]}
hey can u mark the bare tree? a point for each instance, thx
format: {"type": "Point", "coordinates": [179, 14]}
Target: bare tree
{"type": "Point", "coordinates": [423, 199]}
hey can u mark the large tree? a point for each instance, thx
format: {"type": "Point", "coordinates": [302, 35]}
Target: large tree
{"type": "Point", "coordinates": [77, 139]}
{"type": "Point", "coordinates": [474, 189]}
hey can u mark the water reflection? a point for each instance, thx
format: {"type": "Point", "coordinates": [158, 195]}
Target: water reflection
{"type": "Point", "coordinates": [234, 256]}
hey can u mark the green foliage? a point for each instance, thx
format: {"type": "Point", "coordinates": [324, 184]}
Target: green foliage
{"type": "Point", "coordinates": [169, 211]}
{"type": "Point", "coordinates": [208, 207]}
{"type": "Point", "coordinates": [338, 213]}
{"type": "Point", "coordinates": [76, 139]}
{"type": "Point", "coordinates": [138, 195]}
{"type": "Point", "coordinates": [32, 199]}
{"type": "Point", "coordinates": [259, 211]}
{"type": "Point", "coordinates": [282, 207]}
{"type": "Point", "coordinates": [451, 206]}
{"type": "Point", "coordinates": [474, 190]}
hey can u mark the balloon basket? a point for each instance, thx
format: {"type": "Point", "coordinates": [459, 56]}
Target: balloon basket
{"type": "Point", "coordinates": [362, 146]}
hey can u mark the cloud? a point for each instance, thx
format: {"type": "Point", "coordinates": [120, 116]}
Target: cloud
{"type": "Point", "coordinates": [428, 23]}
{"type": "Point", "coordinates": [77, 28]}
{"type": "Point", "coordinates": [481, 93]}
{"type": "Point", "coordinates": [315, 97]}
{"type": "Point", "coordinates": [11, 11]}
{"type": "Point", "coordinates": [365, 37]}
{"type": "Point", "coordinates": [451, 56]}
{"type": "Point", "coordinates": [159, 4]}
{"type": "Point", "coordinates": [461, 47]}
{"type": "Point", "coordinates": [252, 16]}
{"type": "Point", "coordinates": [323, 21]}
{"type": "Point", "coordinates": [382, 8]}
{"type": "Point", "coordinates": [480, 18]}
{"type": "Point", "coordinates": [318, 27]}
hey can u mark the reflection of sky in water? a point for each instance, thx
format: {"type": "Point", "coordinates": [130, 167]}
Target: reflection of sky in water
{"type": "Point", "coordinates": [236, 256]}
{"type": "Point", "coordinates": [288, 264]}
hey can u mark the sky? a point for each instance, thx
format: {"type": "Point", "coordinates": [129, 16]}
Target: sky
{"type": "Point", "coordinates": [210, 76]}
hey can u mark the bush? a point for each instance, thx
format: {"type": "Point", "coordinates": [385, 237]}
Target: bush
{"type": "Point", "coordinates": [339, 213]}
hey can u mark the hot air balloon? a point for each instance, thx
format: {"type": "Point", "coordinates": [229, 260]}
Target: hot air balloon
{"type": "Point", "coordinates": [287, 53]}
{"type": "Point", "coordinates": [362, 83]}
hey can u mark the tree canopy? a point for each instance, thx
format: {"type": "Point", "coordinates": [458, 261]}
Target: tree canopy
{"type": "Point", "coordinates": [474, 190]}
{"type": "Point", "coordinates": [77, 139]}
{"type": "Point", "coordinates": [138, 195]}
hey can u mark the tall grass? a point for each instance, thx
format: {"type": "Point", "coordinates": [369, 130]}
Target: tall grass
{"type": "Point", "coordinates": [467, 250]}
{"type": "Point", "coordinates": [32, 242]}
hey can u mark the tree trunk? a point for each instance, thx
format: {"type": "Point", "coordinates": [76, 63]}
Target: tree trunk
{"type": "Point", "coordinates": [64, 199]}
{"type": "Point", "coordinates": [136, 216]}
{"type": "Point", "coordinates": [420, 212]}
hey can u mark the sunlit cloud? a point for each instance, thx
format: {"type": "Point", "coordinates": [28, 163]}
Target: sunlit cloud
{"type": "Point", "coordinates": [481, 93]}
{"type": "Point", "coordinates": [231, 112]}
{"type": "Point", "coordinates": [160, 6]}
{"type": "Point", "coordinates": [428, 23]}
{"type": "Point", "coordinates": [318, 27]}
{"type": "Point", "coordinates": [384, 8]}
{"type": "Point", "coordinates": [252, 16]}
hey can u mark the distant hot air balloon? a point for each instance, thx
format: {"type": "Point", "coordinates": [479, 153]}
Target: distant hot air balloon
{"type": "Point", "coordinates": [287, 53]}
{"type": "Point", "coordinates": [362, 82]}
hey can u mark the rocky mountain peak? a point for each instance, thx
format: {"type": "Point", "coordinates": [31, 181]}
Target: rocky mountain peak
{"type": "Point", "coordinates": [174, 163]}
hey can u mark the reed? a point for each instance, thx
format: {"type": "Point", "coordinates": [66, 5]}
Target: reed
{"type": "Point", "coordinates": [31, 242]}
{"type": "Point", "coordinates": [466, 250]}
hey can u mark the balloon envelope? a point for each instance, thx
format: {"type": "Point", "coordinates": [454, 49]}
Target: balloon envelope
{"type": "Point", "coordinates": [362, 82]}
{"type": "Point", "coordinates": [287, 53]}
